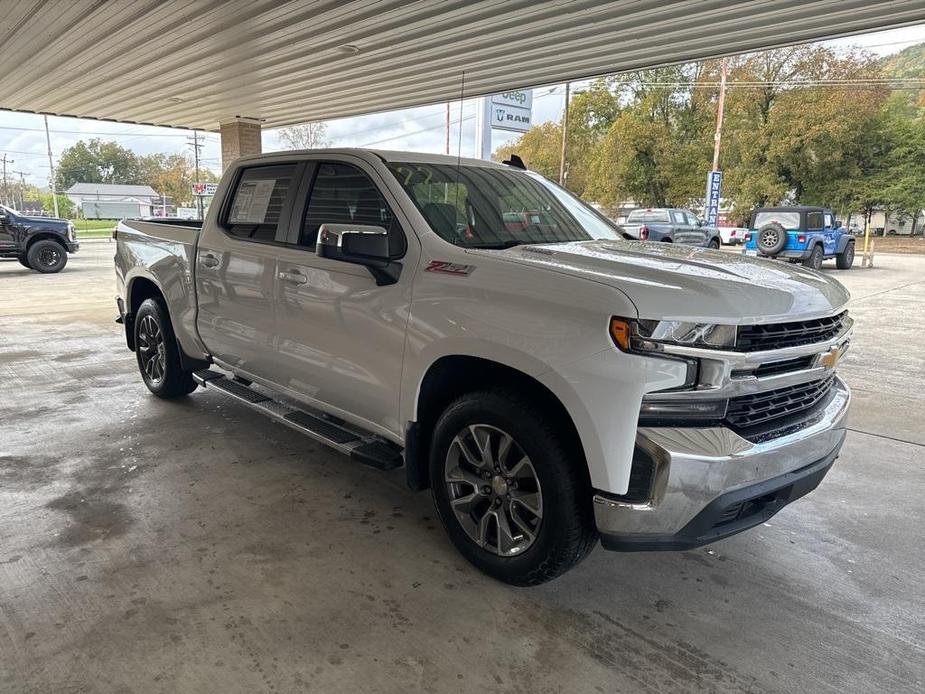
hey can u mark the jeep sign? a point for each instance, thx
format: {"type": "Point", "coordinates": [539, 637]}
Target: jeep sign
{"type": "Point", "coordinates": [512, 110]}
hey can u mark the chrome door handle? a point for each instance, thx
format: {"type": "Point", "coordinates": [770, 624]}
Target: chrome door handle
{"type": "Point", "coordinates": [209, 260]}
{"type": "Point", "coordinates": [295, 277]}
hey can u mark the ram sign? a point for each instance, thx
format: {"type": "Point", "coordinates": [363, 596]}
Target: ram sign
{"type": "Point", "coordinates": [205, 189]}
{"type": "Point", "coordinates": [512, 110]}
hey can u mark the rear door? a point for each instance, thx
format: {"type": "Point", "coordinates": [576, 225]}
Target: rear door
{"type": "Point", "coordinates": [340, 336]}
{"type": "Point", "coordinates": [681, 226]}
{"type": "Point", "coordinates": [698, 234]}
{"type": "Point", "coordinates": [7, 232]}
{"type": "Point", "coordinates": [236, 268]}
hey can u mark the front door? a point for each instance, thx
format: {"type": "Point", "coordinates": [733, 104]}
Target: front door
{"type": "Point", "coordinates": [340, 336]}
{"type": "Point", "coordinates": [236, 269]}
{"type": "Point", "coordinates": [7, 231]}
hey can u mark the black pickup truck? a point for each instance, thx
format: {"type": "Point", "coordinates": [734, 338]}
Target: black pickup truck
{"type": "Point", "coordinates": [39, 243]}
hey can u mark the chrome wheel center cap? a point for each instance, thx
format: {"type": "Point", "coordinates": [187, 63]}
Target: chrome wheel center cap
{"type": "Point", "coordinates": [499, 485]}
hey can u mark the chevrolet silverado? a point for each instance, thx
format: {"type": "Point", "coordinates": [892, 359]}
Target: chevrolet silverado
{"type": "Point", "coordinates": [553, 383]}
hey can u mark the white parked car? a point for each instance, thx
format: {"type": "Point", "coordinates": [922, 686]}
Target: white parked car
{"type": "Point", "coordinates": [732, 236]}
{"type": "Point", "coordinates": [550, 381]}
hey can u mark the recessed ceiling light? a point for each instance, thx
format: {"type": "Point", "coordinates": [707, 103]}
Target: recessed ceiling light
{"type": "Point", "coordinates": [349, 48]}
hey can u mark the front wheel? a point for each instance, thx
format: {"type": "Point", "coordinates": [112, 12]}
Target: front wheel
{"type": "Point", "coordinates": [814, 260]}
{"type": "Point", "coordinates": [158, 354]}
{"type": "Point", "coordinates": [714, 244]}
{"type": "Point", "coordinates": [845, 259]}
{"type": "Point", "coordinates": [46, 256]}
{"type": "Point", "coordinates": [511, 490]}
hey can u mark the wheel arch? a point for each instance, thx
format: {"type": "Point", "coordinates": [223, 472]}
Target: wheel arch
{"type": "Point", "coordinates": [138, 291]}
{"type": "Point", "coordinates": [45, 236]}
{"type": "Point", "coordinates": [451, 376]}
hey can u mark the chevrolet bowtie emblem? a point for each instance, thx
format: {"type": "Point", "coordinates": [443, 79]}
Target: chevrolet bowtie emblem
{"type": "Point", "coordinates": [830, 359]}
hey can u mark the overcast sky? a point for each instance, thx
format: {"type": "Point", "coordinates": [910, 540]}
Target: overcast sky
{"type": "Point", "coordinates": [22, 136]}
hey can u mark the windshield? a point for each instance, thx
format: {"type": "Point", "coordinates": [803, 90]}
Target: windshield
{"type": "Point", "coordinates": [647, 216]}
{"type": "Point", "coordinates": [487, 207]}
{"type": "Point", "coordinates": [788, 220]}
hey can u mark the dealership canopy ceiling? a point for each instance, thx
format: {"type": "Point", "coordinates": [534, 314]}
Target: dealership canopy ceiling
{"type": "Point", "coordinates": [196, 63]}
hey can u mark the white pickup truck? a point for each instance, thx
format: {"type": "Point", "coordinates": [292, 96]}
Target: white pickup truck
{"type": "Point", "coordinates": [550, 381]}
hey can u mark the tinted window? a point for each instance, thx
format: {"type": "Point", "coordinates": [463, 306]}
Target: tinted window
{"type": "Point", "coordinates": [259, 200]}
{"type": "Point", "coordinates": [343, 194]}
{"type": "Point", "coordinates": [813, 220]}
{"type": "Point", "coordinates": [492, 207]}
{"type": "Point", "coordinates": [678, 217]}
{"type": "Point", "coordinates": [638, 216]}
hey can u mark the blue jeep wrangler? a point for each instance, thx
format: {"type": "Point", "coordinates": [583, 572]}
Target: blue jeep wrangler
{"type": "Point", "coordinates": [800, 234]}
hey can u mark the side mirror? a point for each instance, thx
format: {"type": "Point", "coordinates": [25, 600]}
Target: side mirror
{"type": "Point", "coordinates": [359, 244]}
{"type": "Point", "coordinates": [4, 218]}
{"type": "Point", "coordinates": [838, 224]}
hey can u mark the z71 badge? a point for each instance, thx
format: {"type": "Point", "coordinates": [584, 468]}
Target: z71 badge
{"type": "Point", "coordinates": [449, 268]}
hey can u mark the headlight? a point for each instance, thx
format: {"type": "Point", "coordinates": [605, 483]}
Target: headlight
{"type": "Point", "coordinates": [71, 232]}
{"type": "Point", "coordinates": [650, 335]}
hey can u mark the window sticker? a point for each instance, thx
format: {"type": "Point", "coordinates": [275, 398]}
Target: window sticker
{"type": "Point", "coordinates": [252, 200]}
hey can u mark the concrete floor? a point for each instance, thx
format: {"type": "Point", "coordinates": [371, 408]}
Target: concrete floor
{"type": "Point", "coordinates": [193, 546]}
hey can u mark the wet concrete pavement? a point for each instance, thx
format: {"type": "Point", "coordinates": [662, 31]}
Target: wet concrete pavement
{"type": "Point", "coordinates": [195, 546]}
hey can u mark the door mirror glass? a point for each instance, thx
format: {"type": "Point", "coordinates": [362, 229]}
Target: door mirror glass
{"type": "Point", "coordinates": [838, 224]}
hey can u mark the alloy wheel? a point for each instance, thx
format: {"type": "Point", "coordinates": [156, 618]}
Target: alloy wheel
{"type": "Point", "coordinates": [49, 256]}
{"type": "Point", "coordinates": [151, 349]}
{"type": "Point", "coordinates": [493, 490]}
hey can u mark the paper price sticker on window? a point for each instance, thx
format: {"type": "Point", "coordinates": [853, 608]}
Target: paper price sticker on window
{"type": "Point", "coordinates": [251, 201]}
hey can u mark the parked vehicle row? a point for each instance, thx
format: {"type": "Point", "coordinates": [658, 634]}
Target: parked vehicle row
{"type": "Point", "coordinates": [551, 382]}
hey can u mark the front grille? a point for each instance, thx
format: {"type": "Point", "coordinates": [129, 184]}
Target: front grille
{"type": "Point", "coordinates": [786, 366]}
{"type": "Point", "coordinates": [760, 408]}
{"type": "Point", "coordinates": [753, 338]}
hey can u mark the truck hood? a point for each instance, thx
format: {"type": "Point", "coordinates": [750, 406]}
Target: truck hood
{"type": "Point", "coordinates": [50, 221]}
{"type": "Point", "coordinates": [672, 282]}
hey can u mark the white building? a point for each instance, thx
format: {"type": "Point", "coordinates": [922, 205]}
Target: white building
{"type": "Point", "coordinates": [113, 200]}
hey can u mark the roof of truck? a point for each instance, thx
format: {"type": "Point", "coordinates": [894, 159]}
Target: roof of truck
{"type": "Point", "coordinates": [385, 155]}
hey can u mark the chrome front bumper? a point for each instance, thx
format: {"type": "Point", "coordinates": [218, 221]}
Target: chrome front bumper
{"type": "Point", "coordinates": [702, 474]}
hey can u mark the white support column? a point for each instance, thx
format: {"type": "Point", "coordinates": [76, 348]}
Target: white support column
{"type": "Point", "coordinates": [482, 128]}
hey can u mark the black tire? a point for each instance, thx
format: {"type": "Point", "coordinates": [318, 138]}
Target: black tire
{"type": "Point", "coordinates": [46, 256]}
{"type": "Point", "coordinates": [565, 534]}
{"type": "Point", "coordinates": [814, 261]}
{"type": "Point", "coordinates": [714, 244]}
{"type": "Point", "coordinates": [158, 354]}
{"type": "Point", "coordinates": [771, 239]}
{"type": "Point", "coordinates": [24, 261]}
{"type": "Point", "coordinates": [845, 259]}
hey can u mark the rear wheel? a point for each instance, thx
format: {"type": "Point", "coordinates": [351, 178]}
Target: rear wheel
{"type": "Point", "coordinates": [845, 259]}
{"type": "Point", "coordinates": [158, 354]}
{"type": "Point", "coordinates": [814, 260]}
{"type": "Point", "coordinates": [512, 492]}
{"type": "Point", "coordinates": [46, 256]}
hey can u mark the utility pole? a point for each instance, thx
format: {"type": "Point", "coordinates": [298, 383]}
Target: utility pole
{"type": "Point", "coordinates": [564, 139]}
{"type": "Point", "coordinates": [448, 127]}
{"type": "Point", "coordinates": [22, 187]}
{"type": "Point", "coordinates": [6, 187]}
{"type": "Point", "coordinates": [196, 144]}
{"type": "Point", "coordinates": [719, 116]}
{"type": "Point", "coordinates": [51, 168]}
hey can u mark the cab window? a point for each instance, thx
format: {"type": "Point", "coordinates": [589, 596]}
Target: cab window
{"type": "Point", "coordinates": [343, 194]}
{"type": "Point", "coordinates": [260, 196]}
{"type": "Point", "coordinates": [813, 221]}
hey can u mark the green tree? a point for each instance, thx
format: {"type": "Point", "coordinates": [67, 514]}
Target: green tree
{"type": "Point", "coordinates": [96, 161]}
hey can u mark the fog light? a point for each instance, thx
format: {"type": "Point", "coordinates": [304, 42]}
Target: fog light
{"type": "Point", "coordinates": [654, 410]}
